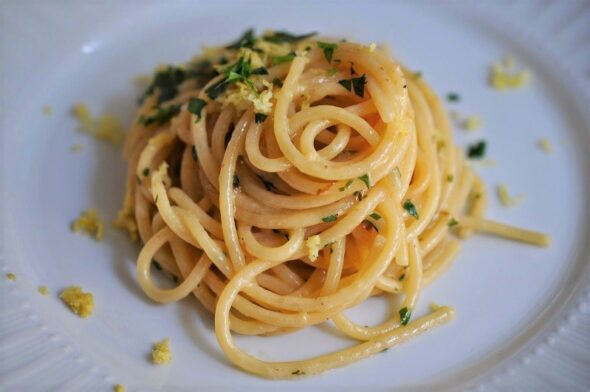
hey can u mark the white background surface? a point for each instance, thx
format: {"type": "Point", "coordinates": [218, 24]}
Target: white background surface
{"type": "Point", "coordinates": [523, 319]}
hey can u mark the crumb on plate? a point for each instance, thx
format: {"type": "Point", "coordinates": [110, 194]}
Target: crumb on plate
{"type": "Point", "coordinates": [161, 352]}
{"type": "Point", "coordinates": [545, 145]}
{"type": "Point", "coordinates": [89, 224]}
{"type": "Point", "coordinates": [105, 127]}
{"type": "Point", "coordinates": [80, 303]}
{"type": "Point", "coordinates": [506, 199]}
{"type": "Point", "coordinates": [11, 277]}
{"type": "Point", "coordinates": [119, 388]}
{"type": "Point", "coordinates": [43, 290]}
{"type": "Point", "coordinates": [503, 76]}
{"type": "Point", "coordinates": [47, 110]}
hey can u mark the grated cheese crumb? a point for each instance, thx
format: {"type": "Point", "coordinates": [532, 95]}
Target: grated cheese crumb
{"type": "Point", "coordinates": [313, 246]}
{"type": "Point", "coordinates": [372, 47]}
{"type": "Point", "coordinates": [43, 290]}
{"type": "Point", "coordinates": [106, 127]}
{"type": "Point", "coordinates": [80, 303]}
{"type": "Point", "coordinates": [10, 276]}
{"type": "Point", "coordinates": [119, 388]}
{"type": "Point", "coordinates": [503, 77]}
{"type": "Point", "coordinates": [545, 145]}
{"type": "Point", "coordinates": [47, 110]}
{"type": "Point", "coordinates": [89, 224]}
{"type": "Point", "coordinates": [506, 199]}
{"type": "Point", "coordinates": [161, 352]}
{"type": "Point", "coordinates": [472, 123]}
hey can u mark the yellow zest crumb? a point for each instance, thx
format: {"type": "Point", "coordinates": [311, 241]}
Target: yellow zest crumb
{"type": "Point", "coordinates": [506, 199]}
{"type": "Point", "coordinates": [119, 388]}
{"type": "Point", "coordinates": [75, 148]}
{"type": "Point", "coordinates": [313, 246]}
{"type": "Point", "coordinates": [80, 303]}
{"type": "Point", "coordinates": [47, 110]}
{"type": "Point", "coordinates": [504, 77]}
{"type": "Point", "coordinates": [89, 224]}
{"type": "Point", "coordinates": [106, 127]}
{"type": "Point", "coordinates": [372, 47]}
{"type": "Point", "coordinates": [545, 145]}
{"type": "Point", "coordinates": [10, 276]}
{"type": "Point", "coordinates": [161, 352]}
{"type": "Point", "coordinates": [43, 290]}
{"type": "Point", "coordinates": [472, 123]}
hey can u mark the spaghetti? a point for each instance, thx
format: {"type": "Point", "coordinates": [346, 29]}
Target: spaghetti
{"type": "Point", "coordinates": [284, 180]}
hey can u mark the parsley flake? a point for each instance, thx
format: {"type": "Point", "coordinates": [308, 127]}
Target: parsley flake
{"type": "Point", "coordinates": [247, 40]}
{"type": "Point", "coordinates": [330, 218]}
{"type": "Point", "coordinates": [146, 172]}
{"type": "Point", "coordinates": [279, 37]}
{"type": "Point", "coordinates": [477, 150]}
{"type": "Point", "coordinates": [260, 117]}
{"type": "Point", "coordinates": [453, 222]}
{"type": "Point", "coordinates": [365, 178]}
{"type": "Point", "coordinates": [404, 315]}
{"type": "Point", "coordinates": [346, 186]}
{"type": "Point", "coordinates": [328, 49]}
{"type": "Point", "coordinates": [195, 106]}
{"type": "Point", "coordinates": [162, 116]}
{"type": "Point", "coordinates": [356, 84]}
{"type": "Point", "coordinates": [453, 97]}
{"type": "Point", "coordinates": [411, 209]}
{"type": "Point", "coordinates": [276, 60]}
{"type": "Point", "coordinates": [375, 216]}
{"type": "Point", "coordinates": [277, 82]}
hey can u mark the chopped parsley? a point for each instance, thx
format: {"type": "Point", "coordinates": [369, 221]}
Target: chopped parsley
{"type": "Point", "coordinates": [365, 178]}
{"type": "Point", "coordinates": [356, 84]}
{"type": "Point", "coordinates": [453, 97]}
{"type": "Point", "coordinates": [259, 71]}
{"type": "Point", "coordinates": [404, 315]}
{"type": "Point", "coordinates": [346, 186]}
{"type": "Point", "coordinates": [279, 37]}
{"type": "Point", "coordinates": [452, 222]}
{"type": "Point", "coordinates": [203, 71]}
{"type": "Point", "coordinates": [450, 177]}
{"type": "Point", "coordinates": [477, 150]}
{"type": "Point", "coordinates": [146, 172]}
{"type": "Point", "coordinates": [194, 152]}
{"type": "Point", "coordinates": [247, 40]}
{"type": "Point", "coordinates": [411, 208]}
{"type": "Point", "coordinates": [276, 60]}
{"type": "Point", "coordinates": [195, 106]}
{"type": "Point", "coordinates": [166, 82]}
{"type": "Point", "coordinates": [401, 277]}
{"type": "Point", "coordinates": [240, 71]}
{"type": "Point", "coordinates": [328, 49]}
{"type": "Point", "coordinates": [162, 116]}
{"type": "Point", "coordinates": [236, 181]}
{"type": "Point", "coordinates": [375, 216]}
{"type": "Point", "coordinates": [277, 82]}
{"type": "Point", "coordinates": [330, 218]}
{"type": "Point", "coordinates": [260, 117]}
{"type": "Point", "coordinates": [298, 373]}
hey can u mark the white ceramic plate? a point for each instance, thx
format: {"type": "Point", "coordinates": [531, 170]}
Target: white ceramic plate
{"type": "Point", "coordinates": [523, 317]}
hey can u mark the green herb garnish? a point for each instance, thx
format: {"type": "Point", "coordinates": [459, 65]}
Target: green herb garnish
{"type": "Point", "coordinates": [375, 216]}
{"type": "Point", "coordinates": [450, 177]}
{"type": "Point", "coordinates": [247, 40]}
{"type": "Point", "coordinates": [477, 150]}
{"type": "Point", "coordinates": [195, 106]}
{"type": "Point", "coordinates": [365, 178]}
{"type": "Point", "coordinates": [276, 60]}
{"type": "Point", "coordinates": [279, 37]}
{"type": "Point", "coordinates": [453, 222]}
{"type": "Point", "coordinates": [411, 209]}
{"type": "Point", "coordinates": [356, 84]}
{"type": "Point", "coordinates": [298, 373]}
{"type": "Point", "coordinates": [404, 315]}
{"type": "Point", "coordinates": [330, 218]}
{"type": "Point", "coordinates": [328, 49]}
{"type": "Point", "coordinates": [453, 97]}
{"type": "Point", "coordinates": [146, 172]}
{"type": "Point", "coordinates": [166, 82]}
{"type": "Point", "coordinates": [346, 186]}
{"type": "Point", "coordinates": [260, 117]}
{"type": "Point", "coordinates": [162, 116]}
{"type": "Point", "coordinates": [401, 277]}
